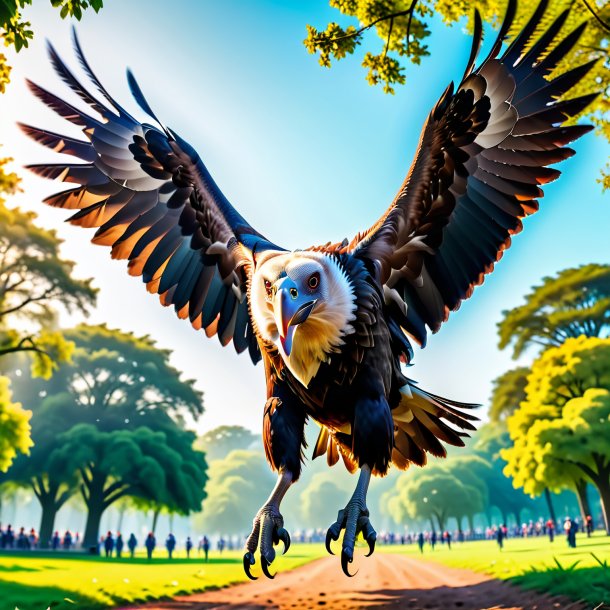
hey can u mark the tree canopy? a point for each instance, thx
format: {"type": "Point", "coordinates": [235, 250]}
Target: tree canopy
{"type": "Point", "coordinates": [507, 394]}
{"type": "Point", "coordinates": [574, 302]}
{"type": "Point", "coordinates": [220, 441]}
{"type": "Point", "coordinates": [14, 427]}
{"type": "Point", "coordinates": [565, 403]}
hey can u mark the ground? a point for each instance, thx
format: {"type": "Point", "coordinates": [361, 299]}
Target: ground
{"type": "Point", "coordinates": [395, 577]}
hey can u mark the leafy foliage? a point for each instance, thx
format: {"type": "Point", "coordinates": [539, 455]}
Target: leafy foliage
{"type": "Point", "coordinates": [508, 393]}
{"type": "Point", "coordinates": [321, 499]}
{"type": "Point", "coordinates": [219, 442]}
{"type": "Point", "coordinates": [401, 26]}
{"type": "Point", "coordinates": [559, 433]}
{"type": "Point", "coordinates": [16, 31]}
{"type": "Point", "coordinates": [14, 427]}
{"type": "Point", "coordinates": [241, 478]}
{"type": "Point", "coordinates": [574, 302]}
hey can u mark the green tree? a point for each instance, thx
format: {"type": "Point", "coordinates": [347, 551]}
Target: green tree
{"type": "Point", "coordinates": [34, 281]}
{"type": "Point", "coordinates": [507, 394]}
{"type": "Point", "coordinates": [402, 31]}
{"type": "Point", "coordinates": [220, 441]}
{"type": "Point", "coordinates": [241, 474]}
{"type": "Point", "coordinates": [574, 302]}
{"type": "Point", "coordinates": [161, 466]}
{"type": "Point", "coordinates": [14, 427]}
{"type": "Point", "coordinates": [16, 32]}
{"type": "Point", "coordinates": [320, 498]}
{"type": "Point", "coordinates": [558, 376]}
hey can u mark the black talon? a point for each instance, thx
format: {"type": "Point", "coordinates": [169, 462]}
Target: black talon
{"type": "Point", "coordinates": [345, 559]}
{"type": "Point", "coordinates": [329, 537]}
{"type": "Point", "coordinates": [249, 561]}
{"type": "Point", "coordinates": [284, 536]}
{"type": "Point", "coordinates": [265, 567]}
{"type": "Point", "coordinates": [371, 542]}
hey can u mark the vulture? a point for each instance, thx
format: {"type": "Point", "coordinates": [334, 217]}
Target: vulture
{"type": "Point", "coordinates": [333, 324]}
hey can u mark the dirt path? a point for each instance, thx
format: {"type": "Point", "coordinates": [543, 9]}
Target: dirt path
{"type": "Point", "coordinates": [383, 581]}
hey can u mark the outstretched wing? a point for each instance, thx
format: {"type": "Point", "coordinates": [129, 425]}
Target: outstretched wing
{"type": "Point", "coordinates": [154, 203]}
{"type": "Point", "coordinates": [483, 154]}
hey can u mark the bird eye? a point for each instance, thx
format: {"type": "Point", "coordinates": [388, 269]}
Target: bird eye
{"type": "Point", "coordinates": [314, 281]}
{"type": "Point", "coordinates": [268, 287]}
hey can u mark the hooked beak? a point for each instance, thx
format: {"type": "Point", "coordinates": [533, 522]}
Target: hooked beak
{"type": "Point", "coordinates": [289, 313]}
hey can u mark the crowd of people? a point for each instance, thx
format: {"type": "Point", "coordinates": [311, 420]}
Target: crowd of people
{"type": "Point", "coordinates": [113, 545]}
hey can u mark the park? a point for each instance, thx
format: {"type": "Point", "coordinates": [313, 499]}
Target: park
{"type": "Point", "coordinates": [431, 379]}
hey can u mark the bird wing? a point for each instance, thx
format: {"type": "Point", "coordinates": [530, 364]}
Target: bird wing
{"type": "Point", "coordinates": [484, 150]}
{"type": "Point", "coordinates": [154, 203]}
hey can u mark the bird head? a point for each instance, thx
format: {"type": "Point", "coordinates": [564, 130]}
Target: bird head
{"type": "Point", "coordinates": [304, 303]}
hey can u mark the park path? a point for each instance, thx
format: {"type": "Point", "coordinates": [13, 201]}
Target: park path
{"type": "Point", "coordinates": [383, 581]}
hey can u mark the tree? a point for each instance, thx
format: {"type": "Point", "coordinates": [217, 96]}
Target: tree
{"type": "Point", "coordinates": [475, 472]}
{"type": "Point", "coordinates": [574, 302]}
{"type": "Point", "coordinates": [435, 494]}
{"type": "Point", "coordinates": [402, 27]}
{"type": "Point", "coordinates": [17, 33]}
{"type": "Point", "coordinates": [34, 281]}
{"type": "Point", "coordinates": [319, 500]}
{"type": "Point", "coordinates": [115, 376]}
{"type": "Point", "coordinates": [579, 439]}
{"type": "Point", "coordinates": [14, 427]}
{"type": "Point", "coordinates": [242, 475]}
{"type": "Point", "coordinates": [558, 376]}
{"type": "Point", "coordinates": [507, 393]}
{"type": "Point", "coordinates": [220, 441]}
{"type": "Point", "coordinates": [161, 466]}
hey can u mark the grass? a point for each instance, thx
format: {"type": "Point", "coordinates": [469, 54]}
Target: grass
{"type": "Point", "coordinates": [535, 563]}
{"type": "Point", "coordinates": [37, 581]}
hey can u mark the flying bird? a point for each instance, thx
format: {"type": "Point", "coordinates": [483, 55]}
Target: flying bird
{"type": "Point", "coordinates": [333, 324]}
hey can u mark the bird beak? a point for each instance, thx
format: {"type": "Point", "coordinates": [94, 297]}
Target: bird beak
{"type": "Point", "coordinates": [289, 313]}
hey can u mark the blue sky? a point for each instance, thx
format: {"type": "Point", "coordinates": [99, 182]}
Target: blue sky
{"type": "Point", "coordinates": [306, 154]}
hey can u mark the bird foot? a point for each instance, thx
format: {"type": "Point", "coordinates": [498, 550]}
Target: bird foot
{"type": "Point", "coordinates": [354, 519]}
{"type": "Point", "coordinates": [268, 525]}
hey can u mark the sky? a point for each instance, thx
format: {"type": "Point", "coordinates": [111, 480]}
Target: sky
{"type": "Point", "coordinates": [306, 155]}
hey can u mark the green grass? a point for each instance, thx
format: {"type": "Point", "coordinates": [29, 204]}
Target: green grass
{"type": "Point", "coordinates": [534, 563]}
{"type": "Point", "coordinates": [36, 581]}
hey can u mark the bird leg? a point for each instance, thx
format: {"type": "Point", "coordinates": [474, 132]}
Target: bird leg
{"type": "Point", "coordinates": [354, 518]}
{"type": "Point", "coordinates": [268, 525]}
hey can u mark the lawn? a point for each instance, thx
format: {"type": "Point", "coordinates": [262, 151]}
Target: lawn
{"type": "Point", "coordinates": [35, 581]}
{"type": "Point", "coordinates": [534, 563]}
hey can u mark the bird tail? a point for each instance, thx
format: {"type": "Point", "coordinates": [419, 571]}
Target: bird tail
{"type": "Point", "coordinates": [422, 420]}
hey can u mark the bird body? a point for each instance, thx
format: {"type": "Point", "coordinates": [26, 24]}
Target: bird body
{"type": "Point", "coordinates": [333, 324]}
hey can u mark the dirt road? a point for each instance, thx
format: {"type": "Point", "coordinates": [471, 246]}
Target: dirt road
{"type": "Point", "coordinates": [383, 581]}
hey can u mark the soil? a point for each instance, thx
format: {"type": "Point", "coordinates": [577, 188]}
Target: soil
{"type": "Point", "coordinates": [383, 581]}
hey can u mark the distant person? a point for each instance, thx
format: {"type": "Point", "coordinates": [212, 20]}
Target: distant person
{"type": "Point", "coordinates": [568, 528]}
{"type": "Point", "coordinates": [32, 539]}
{"type": "Point", "coordinates": [433, 539]}
{"type": "Point", "coordinates": [550, 530]}
{"type": "Point", "coordinates": [206, 547]}
{"type": "Point", "coordinates": [118, 545]}
{"type": "Point", "coordinates": [22, 540]}
{"type": "Point", "coordinates": [447, 537]}
{"type": "Point", "coordinates": [221, 544]}
{"type": "Point", "coordinates": [575, 526]}
{"type": "Point", "coordinates": [67, 541]}
{"type": "Point", "coordinates": [132, 543]}
{"type": "Point", "coordinates": [500, 538]}
{"type": "Point", "coordinates": [55, 541]}
{"type": "Point", "coordinates": [150, 543]}
{"type": "Point", "coordinates": [189, 547]}
{"type": "Point", "coordinates": [420, 542]}
{"type": "Point", "coordinates": [108, 544]}
{"type": "Point", "coordinates": [589, 525]}
{"type": "Point", "coordinates": [10, 537]}
{"type": "Point", "coordinates": [170, 544]}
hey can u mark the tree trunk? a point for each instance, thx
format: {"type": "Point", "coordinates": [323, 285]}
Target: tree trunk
{"type": "Point", "coordinates": [47, 521]}
{"type": "Point", "coordinates": [470, 519]}
{"type": "Point", "coordinates": [155, 519]}
{"type": "Point", "coordinates": [92, 528]}
{"type": "Point", "coordinates": [580, 489]}
{"type": "Point", "coordinates": [549, 501]}
{"type": "Point", "coordinates": [603, 486]}
{"type": "Point", "coordinates": [119, 526]}
{"type": "Point", "coordinates": [517, 515]}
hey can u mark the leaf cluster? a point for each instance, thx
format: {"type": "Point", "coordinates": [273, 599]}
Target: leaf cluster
{"type": "Point", "coordinates": [14, 427]}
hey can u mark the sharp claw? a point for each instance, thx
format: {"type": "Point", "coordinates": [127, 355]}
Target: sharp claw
{"type": "Point", "coordinates": [371, 542]}
{"type": "Point", "coordinates": [248, 561]}
{"type": "Point", "coordinates": [345, 559]}
{"type": "Point", "coordinates": [284, 536]}
{"type": "Point", "coordinates": [265, 567]}
{"type": "Point", "coordinates": [329, 537]}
